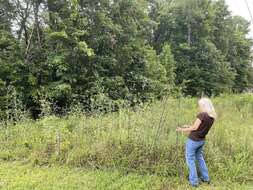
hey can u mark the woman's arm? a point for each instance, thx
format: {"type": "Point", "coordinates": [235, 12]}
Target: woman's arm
{"type": "Point", "coordinates": [194, 127]}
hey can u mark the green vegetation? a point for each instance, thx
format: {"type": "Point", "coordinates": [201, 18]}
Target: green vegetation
{"type": "Point", "coordinates": [16, 176]}
{"type": "Point", "coordinates": [113, 54]}
{"type": "Point", "coordinates": [95, 76]}
{"type": "Point", "coordinates": [134, 143]}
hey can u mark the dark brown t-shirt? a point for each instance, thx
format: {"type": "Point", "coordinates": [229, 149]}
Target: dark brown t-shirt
{"type": "Point", "coordinates": [205, 126]}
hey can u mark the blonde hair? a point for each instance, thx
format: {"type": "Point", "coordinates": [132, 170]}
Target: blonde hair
{"type": "Point", "coordinates": [207, 106]}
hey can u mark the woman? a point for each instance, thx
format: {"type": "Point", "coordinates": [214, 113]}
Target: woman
{"type": "Point", "coordinates": [196, 141]}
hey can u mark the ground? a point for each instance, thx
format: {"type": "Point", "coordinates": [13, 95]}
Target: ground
{"type": "Point", "coordinates": [20, 176]}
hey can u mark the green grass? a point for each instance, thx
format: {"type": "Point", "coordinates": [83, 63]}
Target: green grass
{"type": "Point", "coordinates": [132, 141]}
{"type": "Point", "coordinates": [17, 176]}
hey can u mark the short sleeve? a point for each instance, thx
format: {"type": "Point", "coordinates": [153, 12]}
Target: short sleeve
{"type": "Point", "coordinates": [201, 116]}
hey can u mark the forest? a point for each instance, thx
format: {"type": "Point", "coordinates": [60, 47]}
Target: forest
{"type": "Point", "coordinates": [107, 54]}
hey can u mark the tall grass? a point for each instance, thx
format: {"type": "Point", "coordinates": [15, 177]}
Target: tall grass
{"type": "Point", "coordinates": [138, 141]}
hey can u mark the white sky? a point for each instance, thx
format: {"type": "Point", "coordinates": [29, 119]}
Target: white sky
{"type": "Point", "coordinates": [239, 7]}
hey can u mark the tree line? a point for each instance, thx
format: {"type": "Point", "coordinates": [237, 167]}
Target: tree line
{"type": "Point", "coordinates": [111, 53]}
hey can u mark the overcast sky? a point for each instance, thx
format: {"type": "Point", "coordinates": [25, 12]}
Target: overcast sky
{"type": "Point", "coordinates": [239, 7]}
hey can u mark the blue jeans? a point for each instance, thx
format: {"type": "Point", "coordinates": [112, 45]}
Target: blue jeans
{"type": "Point", "coordinates": [193, 152]}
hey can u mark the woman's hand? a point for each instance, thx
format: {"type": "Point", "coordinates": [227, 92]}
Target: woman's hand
{"type": "Point", "coordinates": [188, 128]}
{"type": "Point", "coordinates": [179, 129]}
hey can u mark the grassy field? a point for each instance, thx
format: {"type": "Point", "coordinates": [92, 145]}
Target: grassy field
{"type": "Point", "coordinates": [130, 149]}
{"type": "Point", "coordinates": [17, 176]}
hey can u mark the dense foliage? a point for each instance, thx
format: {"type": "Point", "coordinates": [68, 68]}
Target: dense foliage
{"type": "Point", "coordinates": [110, 53]}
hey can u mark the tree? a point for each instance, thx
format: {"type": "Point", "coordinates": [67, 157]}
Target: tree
{"type": "Point", "coordinates": [10, 57]}
{"type": "Point", "coordinates": [167, 60]}
{"type": "Point", "coordinates": [104, 53]}
{"type": "Point", "coordinates": [239, 54]}
{"type": "Point", "coordinates": [197, 31]}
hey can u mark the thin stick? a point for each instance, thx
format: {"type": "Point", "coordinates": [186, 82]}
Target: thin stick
{"type": "Point", "coordinates": [180, 170]}
{"type": "Point", "coordinates": [160, 122]}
